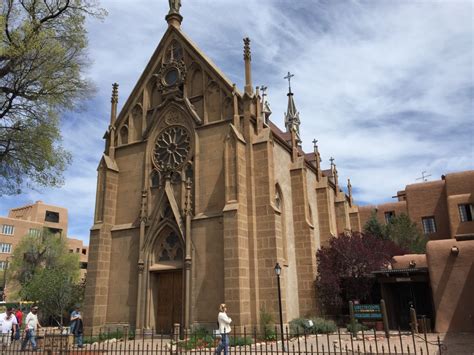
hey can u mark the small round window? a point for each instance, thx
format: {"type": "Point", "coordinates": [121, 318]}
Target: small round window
{"type": "Point", "coordinates": [171, 76]}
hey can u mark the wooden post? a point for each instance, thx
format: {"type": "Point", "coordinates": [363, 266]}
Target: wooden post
{"type": "Point", "coordinates": [353, 321]}
{"type": "Point", "coordinates": [384, 318]}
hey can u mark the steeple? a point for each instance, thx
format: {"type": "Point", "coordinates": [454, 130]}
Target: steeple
{"type": "Point", "coordinates": [292, 116]}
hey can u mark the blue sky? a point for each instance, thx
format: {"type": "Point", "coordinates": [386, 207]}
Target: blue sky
{"type": "Point", "coordinates": [385, 86]}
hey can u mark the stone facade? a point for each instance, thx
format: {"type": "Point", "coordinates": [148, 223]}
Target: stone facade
{"type": "Point", "coordinates": [199, 195]}
{"type": "Point", "coordinates": [442, 200]}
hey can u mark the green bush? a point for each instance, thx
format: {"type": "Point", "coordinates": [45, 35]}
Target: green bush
{"type": "Point", "coordinates": [318, 326]}
{"type": "Point", "coordinates": [267, 325]}
{"type": "Point", "coordinates": [357, 327]}
{"type": "Point", "coordinates": [201, 338]}
{"type": "Point", "coordinates": [241, 341]}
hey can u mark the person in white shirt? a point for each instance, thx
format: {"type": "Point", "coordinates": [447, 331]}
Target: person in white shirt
{"type": "Point", "coordinates": [224, 328]}
{"type": "Point", "coordinates": [31, 326]}
{"type": "Point", "coordinates": [8, 324]}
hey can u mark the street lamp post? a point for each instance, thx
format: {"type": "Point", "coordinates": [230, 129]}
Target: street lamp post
{"type": "Point", "coordinates": [278, 273]}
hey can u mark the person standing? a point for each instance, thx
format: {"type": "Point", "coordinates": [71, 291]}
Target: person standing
{"type": "Point", "coordinates": [77, 327]}
{"type": "Point", "coordinates": [19, 319]}
{"type": "Point", "coordinates": [224, 328]}
{"type": "Point", "coordinates": [8, 324]}
{"type": "Point", "coordinates": [31, 327]}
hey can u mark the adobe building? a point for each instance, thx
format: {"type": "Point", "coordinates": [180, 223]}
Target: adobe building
{"type": "Point", "coordinates": [442, 208]}
{"type": "Point", "coordinates": [200, 194]}
{"type": "Point", "coordinates": [440, 283]}
{"type": "Point", "coordinates": [32, 220]}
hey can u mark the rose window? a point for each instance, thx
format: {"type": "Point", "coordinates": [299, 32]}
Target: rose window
{"type": "Point", "coordinates": [172, 148]}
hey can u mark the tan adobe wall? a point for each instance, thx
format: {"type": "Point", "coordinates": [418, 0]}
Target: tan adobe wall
{"type": "Point", "coordinates": [460, 183]}
{"type": "Point", "coordinates": [452, 284]}
{"type": "Point", "coordinates": [429, 199]}
{"type": "Point", "coordinates": [409, 260]}
{"type": "Point", "coordinates": [37, 212]}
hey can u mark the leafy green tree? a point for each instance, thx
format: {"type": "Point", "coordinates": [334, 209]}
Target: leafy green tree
{"type": "Point", "coordinates": [42, 55]}
{"type": "Point", "coordinates": [374, 227]}
{"type": "Point", "coordinates": [47, 273]}
{"type": "Point", "coordinates": [406, 234]}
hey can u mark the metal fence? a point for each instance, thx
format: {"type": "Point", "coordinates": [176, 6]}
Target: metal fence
{"type": "Point", "coordinates": [248, 342]}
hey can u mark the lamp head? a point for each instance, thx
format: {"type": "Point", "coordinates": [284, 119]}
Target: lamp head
{"type": "Point", "coordinates": [277, 269]}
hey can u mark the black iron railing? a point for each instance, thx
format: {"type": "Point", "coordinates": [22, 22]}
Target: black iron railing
{"type": "Point", "coordinates": [247, 342]}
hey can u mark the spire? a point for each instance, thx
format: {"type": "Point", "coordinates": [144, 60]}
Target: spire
{"type": "Point", "coordinates": [265, 105]}
{"type": "Point", "coordinates": [248, 68]}
{"type": "Point", "coordinates": [349, 190]}
{"type": "Point", "coordinates": [174, 18]}
{"type": "Point", "coordinates": [334, 172]}
{"type": "Point", "coordinates": [114, 101]}
{"type": "Point", "coordinates": [317, 158]}
{"type": "Point", "coordinates": [292, 116]}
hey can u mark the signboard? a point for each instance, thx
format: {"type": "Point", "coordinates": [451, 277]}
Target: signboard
{"type": "Point", "coordinates": [367, 311]}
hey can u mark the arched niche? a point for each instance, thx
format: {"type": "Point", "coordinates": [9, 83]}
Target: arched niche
{"type": "Point", "coordinates": [137, 117]}
{"type": "Point", "coordinates": [123, 134]}
{"type": "Point", "coordinates": [281, 221]}
{"type": "Point", "coordinates": [213, 102]}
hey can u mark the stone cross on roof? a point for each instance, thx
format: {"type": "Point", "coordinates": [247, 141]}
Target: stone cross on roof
{"type": "Point", "coordinates": [289, 76]}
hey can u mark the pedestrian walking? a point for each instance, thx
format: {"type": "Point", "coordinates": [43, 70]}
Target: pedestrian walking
{"type": "Point", "coordinates": [224, 328]}
{"type": "Point", "coordinates": [31, 327]}
{"type": "Point", "coordinates": [19, 319]}
{"type": "Point", "coordinates": [8, 324]}
{"type": "Point", "coordinates": [77, 327]}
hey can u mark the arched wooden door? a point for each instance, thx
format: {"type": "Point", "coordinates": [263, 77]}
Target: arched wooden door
{"type": "Point", "coordinates": [167, 282]}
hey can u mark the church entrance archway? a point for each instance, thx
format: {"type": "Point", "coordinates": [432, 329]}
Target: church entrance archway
{"type": "Point", "coordinates": [166, 276]}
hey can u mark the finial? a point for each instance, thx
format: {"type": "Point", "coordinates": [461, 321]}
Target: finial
{"type": "Point", "coordinates": [263, 88]}
{"type": "Point", "coordinates": [332, 162]}
{"type": "Point", "coordinates": [289, 76]}
{"type": "Point", "coordinates": [174, 18]}
{"type": "Point", "coordinates": [315, 146]}
{"type": "Point", "coordinates": [247, 55]}
{"type": "Point", "coordinates": [114, 98]}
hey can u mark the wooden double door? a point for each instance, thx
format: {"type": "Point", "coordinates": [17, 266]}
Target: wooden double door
{"type": "Point", "coordinates": [168, 299]}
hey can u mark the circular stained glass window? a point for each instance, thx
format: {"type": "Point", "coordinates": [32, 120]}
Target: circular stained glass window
{"type": "Point", "coordinates": [171, 76]}
{"type": "Point", "coordinates": [171, 148]}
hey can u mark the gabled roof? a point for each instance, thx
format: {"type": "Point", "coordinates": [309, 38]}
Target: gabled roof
{"type": "Point", "coordinates": [153, 62]}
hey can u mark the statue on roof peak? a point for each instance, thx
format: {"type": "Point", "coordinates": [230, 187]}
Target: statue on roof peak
{"type": "Point", "coordinates": [174, 6]}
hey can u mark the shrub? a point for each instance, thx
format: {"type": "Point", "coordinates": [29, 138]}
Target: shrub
{"type": "Point", "coordinates": [267, 325]}
{"type": "Point", "coordinates": [201, 338]}
{"type": "Point", "coordinates": [314, 325]}
{"type": "Point", "coordinates": [357, 327]}
{"type": "Point", "coordinates": [241, 341]}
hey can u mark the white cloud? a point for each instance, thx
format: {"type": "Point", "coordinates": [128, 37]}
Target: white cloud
{"type": "Point", "coordinates": [386, 87]}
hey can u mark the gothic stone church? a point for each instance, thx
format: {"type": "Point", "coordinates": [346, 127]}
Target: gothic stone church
{"type": "Point", "coordinates": [199, 195]}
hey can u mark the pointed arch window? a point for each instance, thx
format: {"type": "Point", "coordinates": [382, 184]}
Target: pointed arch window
{"type": "Point", "coordinates": [155, 179]}
{"type": "Point", "coordinates": [170, 249]}
{"type": "Point", "coordinates": [279, 203]}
